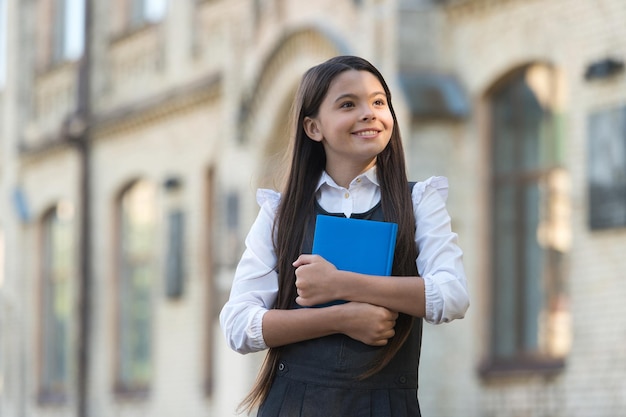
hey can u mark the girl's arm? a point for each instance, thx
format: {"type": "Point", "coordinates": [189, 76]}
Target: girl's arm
{"type": "Point", "coordinates": [439, 295]}
{"type": "Point", "coordinates": [318, 282]}
{"type": "Point", "coordinates": [367, 323]}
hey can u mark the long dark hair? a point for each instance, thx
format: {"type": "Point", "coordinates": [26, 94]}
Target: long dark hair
{"type": "Point", "coordinates": [308, 161]}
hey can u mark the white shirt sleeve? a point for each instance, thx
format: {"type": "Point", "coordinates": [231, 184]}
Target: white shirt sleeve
{"type": "Point", "coordinates": [255, 285]}
{"type": "Point", "coordinates": [439, 260]}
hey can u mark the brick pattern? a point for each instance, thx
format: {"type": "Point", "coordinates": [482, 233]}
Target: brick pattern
{"type": "Point", "coordinates": [486, 39]}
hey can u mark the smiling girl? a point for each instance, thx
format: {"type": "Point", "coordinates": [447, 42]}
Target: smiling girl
{"type": "Point", "coordinates": [359, 358]}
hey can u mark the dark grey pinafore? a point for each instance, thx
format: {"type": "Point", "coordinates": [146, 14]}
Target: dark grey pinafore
{"type": "Point", "coordinates": [318, 378]}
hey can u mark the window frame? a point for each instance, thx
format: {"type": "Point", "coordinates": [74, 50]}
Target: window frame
{"type": "Point", "coordinates": [63, 37]}
{"type": "Point", "coordinates": [521, 360]}
{"type": "Point", "coordinates": [51, 390]}
{"type": "Point", "coordinates": [132, 387]}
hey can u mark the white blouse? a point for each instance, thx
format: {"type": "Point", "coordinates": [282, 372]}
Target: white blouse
{"type": "Point", "coordinates": [255, 285]}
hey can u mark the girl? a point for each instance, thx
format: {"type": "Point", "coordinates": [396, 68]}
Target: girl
{"type": "Point", "coordinates": [359, 358]}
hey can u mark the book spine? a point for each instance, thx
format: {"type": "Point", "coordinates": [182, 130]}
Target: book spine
{"type": "Point", "coordinates": [392, 246]}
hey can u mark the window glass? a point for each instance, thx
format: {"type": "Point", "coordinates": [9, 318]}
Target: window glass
{"type": "Point", "coordinates": [504, 151]}
{"type": "Point", "coordinates": [74, 36]}
{"type": "Point", "coordinates": [137, 12]}
{"type": "Point", "coordinates": [2, 257]}
{"type": "Point", "coordinates": [146, 11]}
{"type": "Point", "coordinates": [61, 31]}
{"type": "Point", "coordinates": [57, 288]}
{"type": "Point", "coordinates": [504, 269]}
{"type": "Point", "coordinates": [532, 265]}
{"type": "Point", "coordinates": [3, 42]}
{"type": "Point", "coordinates": [137, 222]}
{"type": "Point", "coordinates": [155, 10]}
{"type": "Point", "coordinates": [528, 129]}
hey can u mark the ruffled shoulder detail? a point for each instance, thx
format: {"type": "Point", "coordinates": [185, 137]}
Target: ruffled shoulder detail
{"type": "Point", "coordinates": [264, 195]}
{"type": "Point", "coordinates": [439, 184]}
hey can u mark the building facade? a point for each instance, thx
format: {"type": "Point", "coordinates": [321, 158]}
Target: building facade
{"type": "Point", "coordinates": [128, 183]}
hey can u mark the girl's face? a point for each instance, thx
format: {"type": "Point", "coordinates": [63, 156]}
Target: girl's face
{"type": "Point", "coordinates": [354, 122]}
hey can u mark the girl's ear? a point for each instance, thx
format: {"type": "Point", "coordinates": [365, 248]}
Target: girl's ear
{"type": "Point", "coordinates": [312, 130]}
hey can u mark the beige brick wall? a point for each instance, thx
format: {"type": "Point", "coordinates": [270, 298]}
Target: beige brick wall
{"type": "Point", "coordinates": [485, 39]}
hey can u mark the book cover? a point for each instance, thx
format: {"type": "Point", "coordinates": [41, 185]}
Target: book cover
{"type": "Point", "coordinates": [356, 245]}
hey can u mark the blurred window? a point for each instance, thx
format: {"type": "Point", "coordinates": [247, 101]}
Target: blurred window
{"type": "Point", "coordinates": [2, 267]}
{"type": "Point", "coordinates": [60, 31]}
{"type": "Point", "coordinates": [530, 223]}
{"type": "Point", "coordinates": [57, 285]}
{"type": "Point", "coordinates": [3, 42]}
{"type": "Point", "coordinates": [149, 10]}
{"type": "Point", "coordinates": [136, 254]}
{"type": "Point", "coordinates": [606, 168]}
{"type": "Point", "coordinates": [130, 15]}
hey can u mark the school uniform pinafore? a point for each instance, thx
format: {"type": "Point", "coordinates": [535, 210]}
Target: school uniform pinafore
{"type": "Point", "coordinates": [319, 377]}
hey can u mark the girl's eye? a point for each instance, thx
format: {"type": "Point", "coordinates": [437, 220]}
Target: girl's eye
{"type": "Point", "coordinates": [347, 104]}
{"type": "Point", "coordinates": [379, 102]}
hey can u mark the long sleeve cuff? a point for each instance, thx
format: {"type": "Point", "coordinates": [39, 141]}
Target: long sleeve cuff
{"type": "Point", "coordinates": [434, 301]}
{"type": "Point", "coordinates": [255, 332]}
{"type": "Point", "coordinates": [445, 301]}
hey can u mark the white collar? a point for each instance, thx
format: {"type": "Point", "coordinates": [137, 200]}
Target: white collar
{"type": "Point", "coordinates": [369, 175]}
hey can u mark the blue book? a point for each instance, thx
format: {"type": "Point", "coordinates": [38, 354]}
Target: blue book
{"type": "Point", "coordinates": [355, 245]}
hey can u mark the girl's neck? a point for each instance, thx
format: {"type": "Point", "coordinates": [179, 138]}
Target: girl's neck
{"type": "Point", "coordinates": [343, 174]}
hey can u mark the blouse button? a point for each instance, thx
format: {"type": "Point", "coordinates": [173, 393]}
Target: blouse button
{"type": "Point", "coordinates": [347, 195]}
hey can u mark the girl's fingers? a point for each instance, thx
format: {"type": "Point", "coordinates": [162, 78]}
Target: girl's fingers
{"type": "Point", "coordinates": [303, 260]}
{"type": "Point", "coordinates": [306, 259]}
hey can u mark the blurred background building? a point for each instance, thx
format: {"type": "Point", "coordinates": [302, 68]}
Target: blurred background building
{"type": "Point", "coordinates": [130, 153]}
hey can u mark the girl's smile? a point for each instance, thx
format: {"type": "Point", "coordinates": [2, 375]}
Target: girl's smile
{"type": "Point", "coordinates": [366, 133]}
{"type": "Point", "coordinates": [354, 124]}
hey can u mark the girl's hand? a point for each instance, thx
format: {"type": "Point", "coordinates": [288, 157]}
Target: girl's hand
{"type": "Point", "coordinates": [314, 280]}
{"type": "Point", "coordinates": [367, 323]}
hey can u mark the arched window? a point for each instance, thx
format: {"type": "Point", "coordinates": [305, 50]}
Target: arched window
{"type": "Point", "coordinates": [530, 222]}
{"type": "Point", "coordinates": [57, 301]}
{"type": "Point", "coordinates": [136, 276]}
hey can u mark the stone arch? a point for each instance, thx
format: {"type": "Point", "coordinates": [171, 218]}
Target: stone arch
{"type": "Point", "coordinates": [264, 114]}
{"type": "Point", "coordinates": [546, 82]}
{"type": "Point", "coordinates": [554, 96]}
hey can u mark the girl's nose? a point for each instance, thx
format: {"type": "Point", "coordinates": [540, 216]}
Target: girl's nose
{"type": "Point", "coordinates": [368, 114]}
